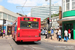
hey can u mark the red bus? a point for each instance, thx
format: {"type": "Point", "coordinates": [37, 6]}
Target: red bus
{"type": "Point", "coordinates": [27, 29]}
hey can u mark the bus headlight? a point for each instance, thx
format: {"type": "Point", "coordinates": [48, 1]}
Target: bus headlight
{"type": "Point", "coordinates": [18, 28]}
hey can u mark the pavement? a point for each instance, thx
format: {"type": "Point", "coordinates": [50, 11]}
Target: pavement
{"type": "Point", "coordinates": [7, 43]}
{"type": "Point", "coordinates": [54, 40]}
{"type": "Point", "coordinates": [4, 44]}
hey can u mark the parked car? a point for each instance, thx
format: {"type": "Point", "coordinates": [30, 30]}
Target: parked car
{"type": "Point", "coordinates": [43, 32]}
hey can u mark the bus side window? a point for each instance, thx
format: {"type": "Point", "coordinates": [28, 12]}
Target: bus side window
{"type": "Point", "coordinates": [15, 27]}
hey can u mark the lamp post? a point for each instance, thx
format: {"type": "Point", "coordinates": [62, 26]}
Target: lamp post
{"type": "Point", "coordinates": [49, 25]}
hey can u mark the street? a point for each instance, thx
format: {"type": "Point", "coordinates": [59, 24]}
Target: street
{"type": "Point", "coordinates": [41, 45]}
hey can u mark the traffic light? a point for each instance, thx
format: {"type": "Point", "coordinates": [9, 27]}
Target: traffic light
{"type": "Point", "coordinates": [4, 21]}
{"type": "Point", "coordinates": [48, 20]}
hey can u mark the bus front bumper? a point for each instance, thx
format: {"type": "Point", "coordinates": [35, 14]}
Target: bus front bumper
{"type": "Point", "coordinates": [27, 39]}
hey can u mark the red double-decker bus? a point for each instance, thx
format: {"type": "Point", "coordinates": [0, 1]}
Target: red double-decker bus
{"type": "Point", "coordinates": [27, 29]}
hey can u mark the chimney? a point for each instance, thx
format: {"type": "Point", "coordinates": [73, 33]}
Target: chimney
{"type": "Point", "coordinates": [25, 16]}
{"type": "Point", "coordinates": [60, 12]}
{"type": "Point", "coordinates": [60, 16]}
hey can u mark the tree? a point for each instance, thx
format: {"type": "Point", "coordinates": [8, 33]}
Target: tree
{"type": "Point", "coordinates": [54, 15]}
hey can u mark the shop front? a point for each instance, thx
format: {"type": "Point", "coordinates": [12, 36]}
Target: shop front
{"type": "Point", "coordinates": [69, 25]}
{"type": "Point", "coordinates": [68, 22]}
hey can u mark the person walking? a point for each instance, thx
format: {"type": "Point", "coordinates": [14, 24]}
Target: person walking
{"type": "Point", "coordinates": [69, 32]}
{"type": "Point", "coordinates": [49, 33]}
{"type": "Point", "coordinates": [0, 32]}
{"type": "Point", "coordinates": [59, 34]}
{"type": "Point", "coordinates": [4, 33]}
{"type": "Point", "coordinates": [52, 32]}
{"type": "Point", "coordinates": [65, 35]}
{"type": "Point", "coordinates": [46, 33]}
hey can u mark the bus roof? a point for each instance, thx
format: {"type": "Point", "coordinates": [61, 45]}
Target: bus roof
{"type": "Point", "coordinates": [29, 17]}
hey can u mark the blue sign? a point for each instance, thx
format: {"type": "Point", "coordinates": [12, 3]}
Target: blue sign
{"type": "Point", "coordinates": [4, 27]}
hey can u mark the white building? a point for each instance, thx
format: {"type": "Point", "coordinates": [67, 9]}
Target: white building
{"type": "Point", "coordinates": [9, 16]}
{"type": "Point", "coordinates": [55, 24]}
{"type": "Point", "coordinates": [68, 5]}
{"type": "Point", "coordinates": [43, 11]}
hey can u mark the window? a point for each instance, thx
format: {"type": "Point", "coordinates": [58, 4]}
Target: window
{"type": "Point", "coordinates": [4, 16]}
{"type": "Point", "coordinates": [73, 0]}
{"type": "Point", "coordinates": [16, 26]}
{"type": "Point", "coordinates": [0, 15]}
{"type": "Point", "coordinates": [13, 18]}
{"type": "Point", "coordinates": [67, 1]}
{"type": "Point", "coordinates": [9, 17]}
{"type": "Point", "coordinates": [28, 24]}
{"type": "Point", "coordinates": [63, 6]}
{"type": "Point", "coordinates": [73, 4]}
{"type": "Point", "coordinates": [67, 6]}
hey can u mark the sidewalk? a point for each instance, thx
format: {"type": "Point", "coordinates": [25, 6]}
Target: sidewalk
{"type": "Point", "coordinates": [4, 44]}
{"type": "Point", "coordinates": [6, 37]}
{"type": "Point", "coordinates": [54, 40]}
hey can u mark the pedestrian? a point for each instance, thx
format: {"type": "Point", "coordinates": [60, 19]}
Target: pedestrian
{"type": "Point", "coordinates": [4, 33]}
{"type": "Point", "coordinates": [56, 33]}
{"type": "Point", "coordinates": [0, 32]}
{"type": "Point", "coordinates": [69, 32]}
{"type": "Point", "coordinates": [46, 33]}
{"type": "Point", "coordinates": [65, 35]}
{"type": "Point", "coordinates": [49, 31]}
{"type": "Point", "coordinates": [52, 33]}
{"type": "Point", "coordinates": [59, 34]}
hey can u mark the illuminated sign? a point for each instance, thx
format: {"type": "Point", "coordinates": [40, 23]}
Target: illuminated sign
{"type": "Point", "coordinates": [34, 20]}
{"type": "Point", "coordinates": [26, 18]}
{"type": "Point", "coordinates": [29, 22]}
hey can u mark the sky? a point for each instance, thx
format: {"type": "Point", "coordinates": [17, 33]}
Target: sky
{"type": "Point", "coordinates": [15, 5]}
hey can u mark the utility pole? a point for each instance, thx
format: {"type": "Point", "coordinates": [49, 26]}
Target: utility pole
{"type": "Point", "coordinates": [4, 21]}
{"type": "Point", "coordinates": [49, 24]}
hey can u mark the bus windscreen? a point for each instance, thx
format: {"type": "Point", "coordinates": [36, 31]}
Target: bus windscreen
{"type": "Point", "coordinates": [29, 24]}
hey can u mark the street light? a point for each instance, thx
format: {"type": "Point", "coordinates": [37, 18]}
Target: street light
{"type": "Point", "coordinates": [49, 25]}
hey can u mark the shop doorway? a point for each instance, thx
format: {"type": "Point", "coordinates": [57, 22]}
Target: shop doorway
{"type": "Point", "coordinates": [9, 30]}
{"type": "Point", "coordinates": [69, 26]}
{"type": "Point", "coordinates": [0, 29]}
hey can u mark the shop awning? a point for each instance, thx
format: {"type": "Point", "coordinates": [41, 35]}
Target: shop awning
{"type": "Point", "coordinates": [66, 19]}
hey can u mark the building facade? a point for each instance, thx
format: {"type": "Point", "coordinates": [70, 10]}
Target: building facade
{"type": "Point", "coordinates": [55, 24]}
{"type": "Point", "coordinates": [68, 17]}
{"type": "Point", "coordinates": [43, 11]}
{"type": "Point", "coordinates": [9, 16]}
